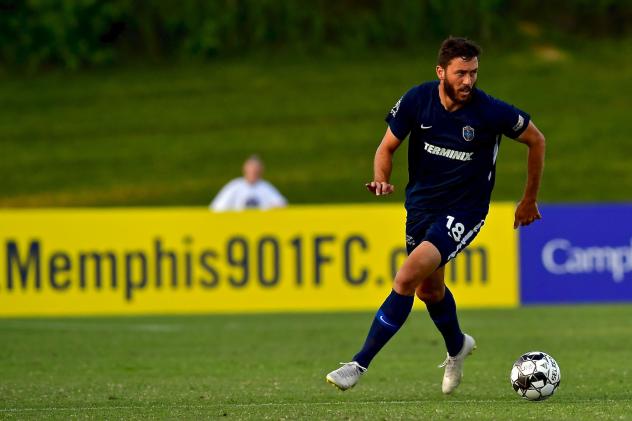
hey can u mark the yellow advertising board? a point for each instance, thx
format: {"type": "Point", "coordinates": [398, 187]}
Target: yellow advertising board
{"type": "Point", "coordinates": [183, 260]}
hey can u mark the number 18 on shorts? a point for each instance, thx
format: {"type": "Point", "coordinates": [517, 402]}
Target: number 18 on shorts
{"type": "Point", "coordinates": [449, 232]}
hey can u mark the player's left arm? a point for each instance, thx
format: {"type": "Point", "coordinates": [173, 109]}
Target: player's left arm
{"type": "Point", "coordinates": [527, 210]}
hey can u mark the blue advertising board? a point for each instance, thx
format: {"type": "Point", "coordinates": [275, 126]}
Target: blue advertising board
{"type": "Point", "coordinates": [577, 254]}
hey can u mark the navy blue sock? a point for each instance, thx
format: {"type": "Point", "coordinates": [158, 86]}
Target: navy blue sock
{"type": "Point", "coordinates": [389, 318]}
{"type": "Point", "coordinates": [443, 314]}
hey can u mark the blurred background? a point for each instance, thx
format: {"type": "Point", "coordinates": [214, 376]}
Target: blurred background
{"type": "Point", "coordinates": [118, 103]}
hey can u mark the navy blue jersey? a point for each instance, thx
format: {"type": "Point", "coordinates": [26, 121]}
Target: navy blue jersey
{"type": "Point", "coordinates": [452, 155]}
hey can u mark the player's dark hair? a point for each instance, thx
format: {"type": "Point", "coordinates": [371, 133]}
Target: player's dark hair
{"type": "Point", "coordinates": [454, 47]}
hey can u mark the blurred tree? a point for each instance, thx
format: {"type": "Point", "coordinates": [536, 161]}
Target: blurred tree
{"type": "Point", "coordinates": [77, 33]}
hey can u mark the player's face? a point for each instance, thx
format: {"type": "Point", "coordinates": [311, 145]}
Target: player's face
{"type": "Point", "coordinates": [459, 79]}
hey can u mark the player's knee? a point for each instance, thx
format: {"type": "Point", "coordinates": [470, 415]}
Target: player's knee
{"type": "Point", "coordinates": [404, 283]}
{"type": "Point", "coordinates": [430, 295]}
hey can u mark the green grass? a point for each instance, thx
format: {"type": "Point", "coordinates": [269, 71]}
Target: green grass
{"type": "Point", "coordinates": [174, 135]}
{"type": "Point", "coordinates": [273, 366]}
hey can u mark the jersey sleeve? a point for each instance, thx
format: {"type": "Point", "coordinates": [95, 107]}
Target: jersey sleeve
{"type": "Point", "coordinates": [401, 118]}
{"type": "Point", "coordinates": [510, 121]}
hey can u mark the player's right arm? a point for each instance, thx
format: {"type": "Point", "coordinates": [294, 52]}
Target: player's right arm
{"type": "Point", "coordinates": [383, 165]}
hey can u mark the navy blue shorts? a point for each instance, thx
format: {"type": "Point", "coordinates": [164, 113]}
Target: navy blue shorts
{"type": "Point", "coordinates": [448, 231]}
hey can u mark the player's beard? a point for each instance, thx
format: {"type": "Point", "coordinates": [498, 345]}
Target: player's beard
{"type": "Point", "coordinates": [452, 93]}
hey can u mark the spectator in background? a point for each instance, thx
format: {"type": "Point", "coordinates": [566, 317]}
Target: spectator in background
{"type": "Point", "coordinates": [249, 191]}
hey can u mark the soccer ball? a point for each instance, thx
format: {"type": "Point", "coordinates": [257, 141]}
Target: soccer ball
{"type": "Point", "coordinates": [535, 376]}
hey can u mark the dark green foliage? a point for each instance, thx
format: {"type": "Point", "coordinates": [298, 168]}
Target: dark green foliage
{"type": "Point", "coordinates": [74, 33]}
{"type": "Point", "coordinates": [68, 33]}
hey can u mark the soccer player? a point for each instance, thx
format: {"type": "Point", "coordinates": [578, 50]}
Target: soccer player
{"type": "Point", "coordinates": [455, 132]}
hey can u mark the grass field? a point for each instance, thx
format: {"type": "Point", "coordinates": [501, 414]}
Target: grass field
{"type": "Point", "coordinates": [173, 135]}
{"type": "Point", "coordinates": [273, 366]}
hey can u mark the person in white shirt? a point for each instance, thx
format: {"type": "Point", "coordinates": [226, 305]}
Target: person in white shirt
{"type": "Point", "coordinates": [249, 191]}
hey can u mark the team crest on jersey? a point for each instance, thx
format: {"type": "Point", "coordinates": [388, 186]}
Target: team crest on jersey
{"type": "Point", "coordinates": [468, 133]}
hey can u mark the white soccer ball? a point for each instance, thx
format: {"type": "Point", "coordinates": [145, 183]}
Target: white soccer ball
{"type": "Point", "coordinates": [535, 376]}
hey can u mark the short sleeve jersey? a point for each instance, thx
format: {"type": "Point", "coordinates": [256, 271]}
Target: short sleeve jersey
{"type": "Point", "coordinates": [452, 155]}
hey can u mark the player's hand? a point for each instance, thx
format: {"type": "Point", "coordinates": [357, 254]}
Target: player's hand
{"type": "Point", "coordinates": [380, 188]}
{"type": "Point", "coordinates": [526, 212]}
